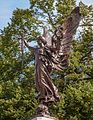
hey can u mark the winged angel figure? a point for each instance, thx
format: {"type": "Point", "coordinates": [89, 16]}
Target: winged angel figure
{"type": "Point", "coordinates": [52, 54]}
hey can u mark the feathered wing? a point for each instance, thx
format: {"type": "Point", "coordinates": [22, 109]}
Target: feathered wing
{"type": "Point", "coordinates": [62, 39]}
{"type": "Point", "coordinates": [47, 36]}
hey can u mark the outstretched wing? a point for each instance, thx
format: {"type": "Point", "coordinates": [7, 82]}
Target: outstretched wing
{"type": "Point", "coordinates": [47, 37]}
{"type": "Point", "coordinates": [62, 38]}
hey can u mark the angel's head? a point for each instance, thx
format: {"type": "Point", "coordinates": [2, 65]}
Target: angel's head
{"type": "Point", "coordinates": [76, 11]}
{"type": "Point", "coordinates": [59, 32]}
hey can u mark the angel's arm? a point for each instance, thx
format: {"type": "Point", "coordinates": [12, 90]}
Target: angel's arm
{"type": "Point", "coordinates": [29, 47]}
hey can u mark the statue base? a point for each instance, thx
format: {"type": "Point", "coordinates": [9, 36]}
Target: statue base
{"type": "Point", "coordinates": [44, 118]}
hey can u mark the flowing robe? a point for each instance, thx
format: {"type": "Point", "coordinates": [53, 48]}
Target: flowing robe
{"type": "Point", "coordinates": [43, 63]}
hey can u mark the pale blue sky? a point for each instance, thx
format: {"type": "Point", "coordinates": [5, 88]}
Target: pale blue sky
{"type": "Point", "coordinates": [7, 7]}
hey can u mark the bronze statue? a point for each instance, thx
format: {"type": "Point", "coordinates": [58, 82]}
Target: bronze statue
{"type": "Point", "coordinates": [52, 54]}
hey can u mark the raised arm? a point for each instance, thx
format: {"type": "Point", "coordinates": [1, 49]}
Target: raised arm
{"type": "Point", "coordinates": [29, 47]}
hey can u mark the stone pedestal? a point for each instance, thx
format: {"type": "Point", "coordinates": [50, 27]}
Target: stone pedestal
{"type": "Point", "coordinates": [44, 118]}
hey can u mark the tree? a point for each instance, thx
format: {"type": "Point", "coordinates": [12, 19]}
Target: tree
{"type": "Point", "coordinates": [17, 89]}
{"type": "Point", "coordinates": [17, 85]}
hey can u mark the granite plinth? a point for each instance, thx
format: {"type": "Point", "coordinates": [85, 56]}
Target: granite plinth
{"type": "Point", "coordinates": [44, 118]}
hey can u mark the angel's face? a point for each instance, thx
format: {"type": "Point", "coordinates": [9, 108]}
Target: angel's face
{"type": "Point", "coordinates": [59, 32]}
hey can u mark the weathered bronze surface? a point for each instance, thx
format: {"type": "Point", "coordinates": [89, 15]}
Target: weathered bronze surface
{"type": "Point", "coordinates": [52, 54]}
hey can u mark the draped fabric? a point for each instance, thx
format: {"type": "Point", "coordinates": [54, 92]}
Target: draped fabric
{"type": "Point", "coordinates": [47, 90]}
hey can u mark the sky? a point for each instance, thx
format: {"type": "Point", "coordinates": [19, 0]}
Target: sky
{"type": "Point", "coordinates": [8, 6]}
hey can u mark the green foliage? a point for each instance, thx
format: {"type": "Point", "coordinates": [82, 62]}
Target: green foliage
{"type": "Point", "coordinates": [17, 85]}
{"type": "Point", "coordinates": [79, 101]}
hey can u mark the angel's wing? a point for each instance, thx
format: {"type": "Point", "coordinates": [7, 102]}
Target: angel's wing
{"type": "Point", "coordinates": [63, 35]}
{"type": "Point", "coordinates": [47, 37]}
